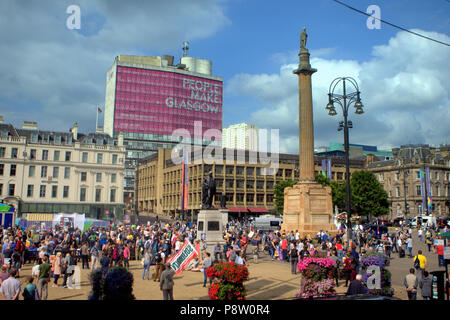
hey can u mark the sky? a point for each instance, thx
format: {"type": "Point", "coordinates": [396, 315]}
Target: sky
{"type": "Point", "coordinates": [56, 76]}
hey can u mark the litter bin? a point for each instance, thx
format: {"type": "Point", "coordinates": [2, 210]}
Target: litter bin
{"type": "Point", "coordinates": [438, 285]}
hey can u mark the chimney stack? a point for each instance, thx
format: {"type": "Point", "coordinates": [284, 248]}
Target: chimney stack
{"type": "Point", "coordinates": [29, 125]}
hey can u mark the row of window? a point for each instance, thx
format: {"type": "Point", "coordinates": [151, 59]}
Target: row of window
{"type": "Point", "coordinates": [54, 192]}
{"type": "Point", "coordinates": [437, 192]}
{"type": "Point", "coordinates": [398, 175]}
{"type": "Point", "coordinates": [56, 155]}
{"type": "Point", "coordinates": [55, 171]}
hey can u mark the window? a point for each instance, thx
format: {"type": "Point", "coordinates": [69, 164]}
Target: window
{"type": "Point", "coordinates": [68, 153]}
{"type": "Point", "coordinates": [83, 176]}
{"type": "Point", "coordinates": [98, 177]}
{"type": "Point", "coordinates": [406, 191]}
{"type": "Point", "coordinates": [43, 171]}
{"type": "Point", "coordinates": [66, 173]}
{"type": "Point", "coordinates": [84, 157]}
{"type": "Point", "coordinates": [418, 190]}
{"type": "Point", "coordinates": [12, 170]}
{"type": "Point", "coordinates": [14, 153]}
{"type": "Point", "coordinates": [12, 187]}
{"type": "Point", "coordinates": [437, 191]}
{"type": "Point", "coordinates": [31, 171]}
{"type": "Point", "coordinates": [1, 189]}
{"type": "Point", "coordinates": [66, 192]}
{"type": "Point", "coordinates": [114, 158]}
{"type": "Point", "coordinates": [112, 195]}
{"type": "Point", "coordinates": [44, 154]}
{"type": "Point", "coordinates": [99, 157]}
{"type": "Point", "coordinates": [397, 175]}
{"type": "Point", "coordinates": [2, 152]}
{"type": "Point", "coordinates": [32, 154]}
{"type": "Point", "coordinates": [417, 174]}
{"type": "Point", "coordinates": [54, 191]}
{"type": "Point", "coordinates": [436, 175]}
{"type": "Point", "coordinates": [98, 193]}
{"type": "Point", "coordinates": [113, 178]}
{"type": "Point", "coordinates": [42, 191]}
{"type": "Point", "coordinates": [55, 172]}
{"type": "Point", "coordinates": [82, 194]}
{"type": "Point", "coordinates": [30, 190]}
{"type": "Point", "coordinates": [2, 168]}
{"type": "Point", "coordinates": [56, 155]}
{"type": "Point", "coordinates": [398, 191]}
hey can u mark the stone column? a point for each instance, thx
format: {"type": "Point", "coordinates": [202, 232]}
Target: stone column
{"type": "Point", "coordinates": [306, 126]}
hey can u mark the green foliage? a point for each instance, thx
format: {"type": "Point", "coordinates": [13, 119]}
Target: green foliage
{"type": "Point", "coordinates": [368, 195]}
{"type": "Point", "coordinates": [278, 194]}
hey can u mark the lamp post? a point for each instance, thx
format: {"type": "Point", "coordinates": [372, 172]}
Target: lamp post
{"type": "Point", "coordinates": [345, 100]}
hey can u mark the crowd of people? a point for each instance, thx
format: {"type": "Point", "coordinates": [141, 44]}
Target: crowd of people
{"type": "Point", "coordinates": [56, 252]}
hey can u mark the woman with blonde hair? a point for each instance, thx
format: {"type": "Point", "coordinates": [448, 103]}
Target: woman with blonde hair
{"type": "Point", "coordinates": [56, 269]}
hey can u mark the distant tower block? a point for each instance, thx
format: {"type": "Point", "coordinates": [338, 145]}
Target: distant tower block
{"type": "Point", "coordinates": [185, 48]}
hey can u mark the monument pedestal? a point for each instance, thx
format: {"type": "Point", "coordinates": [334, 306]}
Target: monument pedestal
{"type": "Point", "coordinates": [308, 208]}
{"type": "Point", "coordinates": [210, 225]}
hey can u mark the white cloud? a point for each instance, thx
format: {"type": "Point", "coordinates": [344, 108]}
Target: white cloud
{"type": "Point", "coordinates": [56, 76]}
{"type": "Point", "coordinates": [404, 88]}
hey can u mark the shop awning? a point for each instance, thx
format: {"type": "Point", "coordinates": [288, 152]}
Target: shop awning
{"type": "Point", "coordinates": [258, 210]}
{"type": "Point", "coordinates": [237, 209]}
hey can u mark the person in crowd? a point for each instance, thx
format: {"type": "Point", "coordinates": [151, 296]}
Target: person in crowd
{"type": "Point", "coordinates": [426, 286]}
{"type": "Point", "coordinates": [411, 283]}
{"type": "Point", "coordinates": [420, 263]}
{"type": "Point", "coordinates": [30, 292]}
{"type": "Point", "coordinates": [11, 287]}
{"type": "Point", "coordinates": [348, 268]}
{"type": "Point", "coordinates": [44, 278]}
{"type": "Point", "coordinates": [356, 286]}
{"type": "Point", "coordinates": [207, 263]}
{"type": "Point", "coordinates": [56, 269]}
{"type": "Point", "coordinates": [166, 284]}
{"type": "Point", "coordinates": [147, 263]}
{"type": "Point", "coordinates": [293, 255]}
{"type": "Point", "coordinates": [85, 256]}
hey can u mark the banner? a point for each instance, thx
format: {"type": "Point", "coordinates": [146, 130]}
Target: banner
{"type": "Point", "coordinates": [324, 169]}
{"type": "Point", "coordinates": [422, 185]}
{"type": "Point", "coordinates": [329, 173]}
{"type": "Point", "coordinates": [184, 179]}
{"type": "Point", "coordinates": [70, 220]}
{"type": "Point", "coordinates": [181, 259]}
{"type": "Point", "coordinates": [429, 200]}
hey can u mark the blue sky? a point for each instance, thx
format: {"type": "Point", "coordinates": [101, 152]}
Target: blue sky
{"type": "Point", "coordinates": [56, 76]}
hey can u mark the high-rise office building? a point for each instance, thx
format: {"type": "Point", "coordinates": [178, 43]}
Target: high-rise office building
{"type": "Point", "coordinates": [240, 136]}
{"type": "Point", "coordinates": [149, 98]}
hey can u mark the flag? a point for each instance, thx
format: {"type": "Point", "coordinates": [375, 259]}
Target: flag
{"type": "Point", "coordinates": [99, 110]}
{"type": "Point", "coordinates": [182, 258]}
{"type": "Point", "coordinates": [422, 185]}
{"type": "Point", "coordinates": [330, 176]}
{"type": "Point", "coordinates": [324, 168]}
{"type": "Point", "coordinates": [428, 180]}
{"type": "Point", "coordinates": [184, 179]}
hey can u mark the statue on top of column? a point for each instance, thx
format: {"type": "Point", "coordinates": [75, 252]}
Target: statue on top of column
{"type": "Point", "coordinates": [303, 37]}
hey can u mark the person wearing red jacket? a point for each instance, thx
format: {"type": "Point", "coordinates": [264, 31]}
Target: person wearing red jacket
{"type": "Point", "coordinates": [440, 252]}
{"type": "Point", "coordinates": [348, 268]}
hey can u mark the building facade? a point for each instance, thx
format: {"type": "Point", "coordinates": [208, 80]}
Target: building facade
{"type": "Point", "coordinates": [402, 179]}
{"type": "Point", "coordinates": [337, 150]}
{"type": "Point", "coordinates": [248, 186]}
{"type": "Point", "coordinates": [240, 136]}
{"type": "Point", "coordinates": [54, 172]}
{"type": "Point", "coordinates": [154, 102]}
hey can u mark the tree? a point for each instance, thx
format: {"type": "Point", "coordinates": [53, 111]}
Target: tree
{"type": "Point", "coordinates": [278, 194]}
{"type": "Point", "coordinates": [368, 195]}
{"type": "Point", "coordinates": [337, 191]}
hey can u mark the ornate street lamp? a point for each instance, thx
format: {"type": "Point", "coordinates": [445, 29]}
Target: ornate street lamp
{"type": "Point", "coordinates": [345, 100]}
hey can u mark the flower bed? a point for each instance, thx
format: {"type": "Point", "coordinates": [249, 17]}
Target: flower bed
{"type": "Point", "coordinates": [318, 277]}
{"type": "Point", "coordinates": [228, 281]}
{"type": "Point", "coordinates": [380, 260]}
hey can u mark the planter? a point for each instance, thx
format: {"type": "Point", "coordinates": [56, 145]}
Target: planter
{"type": "Point", "coordinates": [228, 281]}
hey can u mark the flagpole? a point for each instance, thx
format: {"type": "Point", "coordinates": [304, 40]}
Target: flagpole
{"type": "Point", "coordinates": [96, 120]}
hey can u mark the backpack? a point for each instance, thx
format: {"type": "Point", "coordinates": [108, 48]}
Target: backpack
{"type": "Point", "coordinates": [417, 262]}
